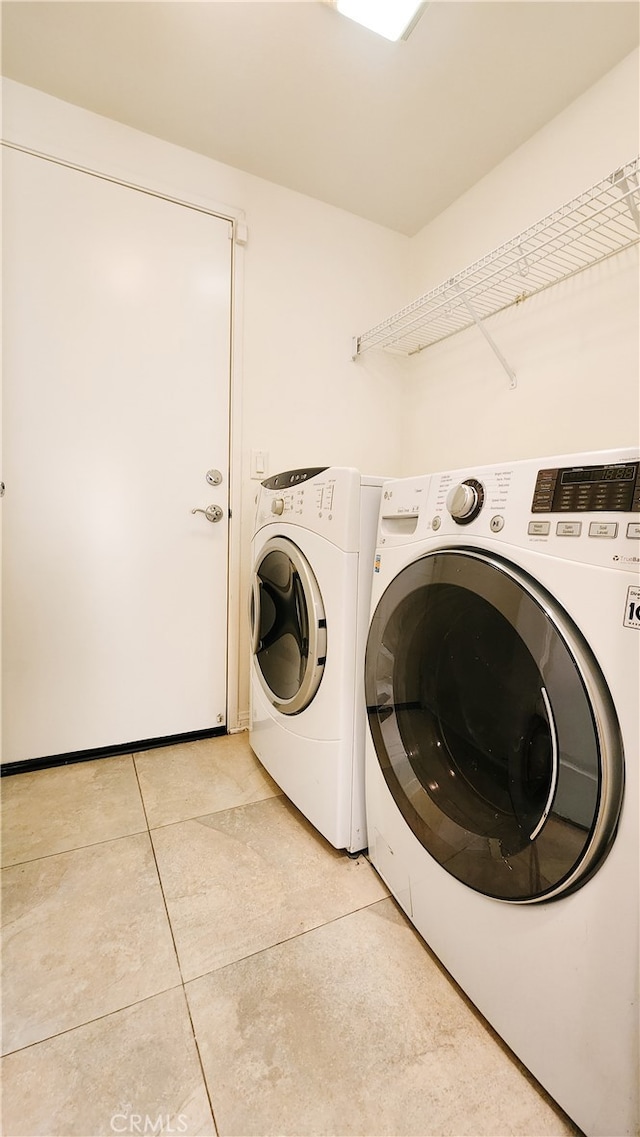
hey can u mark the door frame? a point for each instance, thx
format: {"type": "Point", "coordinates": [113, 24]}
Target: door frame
{"type": "Point", "coordinates": [65, 155]}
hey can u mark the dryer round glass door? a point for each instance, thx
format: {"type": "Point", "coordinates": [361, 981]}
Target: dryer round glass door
{"type": "Point", "coordinates": [493, 726]}
{"type": "Point", "coordinates": [289, 626]}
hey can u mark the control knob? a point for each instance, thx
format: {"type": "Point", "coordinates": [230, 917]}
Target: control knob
{"type": "Point", "coordinates": [465, 501]}
{"type": "Point", "coordinates": [277, 505]}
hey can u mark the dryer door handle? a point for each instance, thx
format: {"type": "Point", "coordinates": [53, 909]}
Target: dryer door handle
{"type": "Point", "coordinates": [554, 764]}
{"type": "Point", "coordinates": [254, 614]}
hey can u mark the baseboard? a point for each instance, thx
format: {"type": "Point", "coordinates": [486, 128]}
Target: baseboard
{"type": "Point", "coordinates": [30, 764]}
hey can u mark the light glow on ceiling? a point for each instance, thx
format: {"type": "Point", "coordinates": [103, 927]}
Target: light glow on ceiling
{"type": "Point", "coordinates": [389, 18]}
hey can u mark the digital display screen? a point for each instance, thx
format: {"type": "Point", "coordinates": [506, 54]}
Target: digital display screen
{"type": "Point", "coordinates": [588, 489]}
{"type": "Point", "coordinates": [598, 474]}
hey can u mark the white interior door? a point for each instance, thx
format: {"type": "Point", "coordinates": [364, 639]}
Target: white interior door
{"type": "Point", "coordinates": [116, 354]}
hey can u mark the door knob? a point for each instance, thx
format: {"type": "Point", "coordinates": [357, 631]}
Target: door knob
{"type": "Point", "coordinates": [212, 512]}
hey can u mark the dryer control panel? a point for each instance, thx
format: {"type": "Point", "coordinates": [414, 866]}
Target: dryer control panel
{"type": "Point", "coordinates": [327, 500]}
{"type": "Point", "coordinates": [288, 479]}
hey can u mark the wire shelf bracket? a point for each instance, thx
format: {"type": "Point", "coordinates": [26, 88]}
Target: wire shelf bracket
{"type": "Point", "coordinates": [597, 224]}
{"type": "Point", "coordinates": [490, 340]}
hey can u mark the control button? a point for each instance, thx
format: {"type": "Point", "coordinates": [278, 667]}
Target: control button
{"type": "Point", "coordinates": [603, 529]}
{"type": "Point", "coordinates": [496, 523]}
{"type": "Point", "coordinates": [277, 505]}
{"type": "Point", "coordinates": [569, 528]}
{"type": "Point", "coordinates": [436, 523]}
{"type": "Point", "coordinates": [539, 528]}
{"type": "Point", "coordinates": [633, 530]}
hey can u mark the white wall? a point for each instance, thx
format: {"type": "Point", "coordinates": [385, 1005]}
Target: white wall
{"type": "Point", "coordinates": [574, 348]}
{"type": "Point", "coordinates": [313, 277]}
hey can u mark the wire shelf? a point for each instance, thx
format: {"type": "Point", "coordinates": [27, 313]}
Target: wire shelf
{"type": "Point", "coordinates": [600, 222]}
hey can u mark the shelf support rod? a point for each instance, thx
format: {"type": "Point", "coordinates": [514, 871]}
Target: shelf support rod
{"type": "Point", "coordinates": [494, 347]}
{"type": "Point", "coordinates": [619, 179]}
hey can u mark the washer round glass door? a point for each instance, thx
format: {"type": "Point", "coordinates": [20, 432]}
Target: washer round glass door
{"type": "Point", "coordinates": [289, 626]}
{"type": "Point", "coordinates": [493, 726]}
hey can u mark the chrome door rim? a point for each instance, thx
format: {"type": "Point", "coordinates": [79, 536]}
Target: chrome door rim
{"type": "Point", "coordinates": [604, 719]}
{"type": "Point", "coordinates": [316, 656]}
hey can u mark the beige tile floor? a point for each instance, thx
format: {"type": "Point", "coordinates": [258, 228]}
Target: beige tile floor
{"type": "Point", "coordinates": [184, 954]}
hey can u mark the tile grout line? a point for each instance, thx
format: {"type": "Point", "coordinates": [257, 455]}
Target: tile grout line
{"type": "Point", "coordinates": [136, 832]}
{"type": "Point", "coordinates": [75, 849]}
{"type": "Point", "coordinates": [292, 938]}
{"type": "Point", "coordinates": [88, 844]}
{"type": "Point", "coordinates": [197, 1046]}
{"type": "Point", "coordinates": [89, 1022]}
{"type": "Point", "coordinates": [212, 813]}
{"type": "Point", "coordinates": [175, 948]}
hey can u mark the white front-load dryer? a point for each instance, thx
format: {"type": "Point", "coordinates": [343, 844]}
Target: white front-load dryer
{"type": "Point", "coordinates": [502, 783]}
{"type": "Point", "coordinates": [312, 556]}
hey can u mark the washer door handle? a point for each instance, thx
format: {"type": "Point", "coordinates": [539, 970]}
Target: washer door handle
{"type": "Point", "coordinates": [554, 764]}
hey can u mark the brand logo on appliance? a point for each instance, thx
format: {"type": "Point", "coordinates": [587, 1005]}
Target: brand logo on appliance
{"type": "Point", "coordinates": [626, 560]}
{"type": "Point", "coordinates": [632, 610]}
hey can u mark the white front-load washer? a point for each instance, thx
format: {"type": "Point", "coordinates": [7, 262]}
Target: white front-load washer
{"type": "Point", "coordinates": [312, 556]}
{"type": "Point", "coordinates": [502, 784]}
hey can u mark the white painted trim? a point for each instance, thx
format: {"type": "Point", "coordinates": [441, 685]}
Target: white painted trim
{"type": "Point", "coordinates": [50, 128]}
{"type": "Point", "coordinates": [234, 600]}
{"type": "Point", "coordinates": [236, 216]}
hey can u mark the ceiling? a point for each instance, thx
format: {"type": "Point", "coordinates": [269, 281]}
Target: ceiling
{"type": "Point", "coordinates": [295, 93]}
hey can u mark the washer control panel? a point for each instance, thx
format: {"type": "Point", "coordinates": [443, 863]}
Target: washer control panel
{"type": "Point", "coordinates": [581, 508]}
{"type": "Point", "coordinates": [608, 488]}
